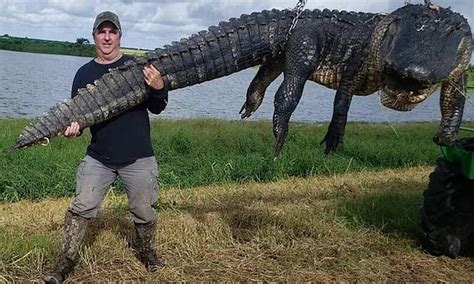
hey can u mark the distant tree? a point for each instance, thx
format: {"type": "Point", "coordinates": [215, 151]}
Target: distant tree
{"type": "Point", "coordinates": [82, 40]}
{"type": "Point", "coordinates": [6, 35]}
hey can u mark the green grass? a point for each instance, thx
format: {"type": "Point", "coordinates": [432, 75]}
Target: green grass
{"type": "Point", "coordinates": [202, 152]}
{"type": "Point", "coordinates": [470, 81]}
{"type": "Point", "coordinates": [392, 212]}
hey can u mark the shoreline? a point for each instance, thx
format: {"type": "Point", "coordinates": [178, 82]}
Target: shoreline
{"type": "Point", "coordinates": [163, 117]}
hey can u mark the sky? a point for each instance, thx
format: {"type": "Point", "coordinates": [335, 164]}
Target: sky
{"type": "Point", "coordinates": [150, 24]}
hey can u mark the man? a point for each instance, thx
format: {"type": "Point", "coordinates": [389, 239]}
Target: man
{"type": "Point", "coordinates": [121, 147]}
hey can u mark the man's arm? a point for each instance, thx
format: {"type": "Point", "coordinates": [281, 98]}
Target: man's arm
{"type": "Point", "coordinates": [158, 100]}
{"type": "Point", "coordinates": [158, 89]}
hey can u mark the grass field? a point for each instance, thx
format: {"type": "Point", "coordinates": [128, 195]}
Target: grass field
{"type": "Point", "coordinates": [344, 227]}
{"type": "Point", "coordinates": [229, 211]}
{"type": "Point", "coordinates": [203, 152]}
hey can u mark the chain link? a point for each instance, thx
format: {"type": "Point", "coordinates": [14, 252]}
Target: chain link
{"type": "Point", "coordinates": [298, 10]}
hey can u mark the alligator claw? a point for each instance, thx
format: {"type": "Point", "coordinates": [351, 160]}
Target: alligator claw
{"type": "Point", "coordinates": [246, 111]}
{"type": "Point", "coordinates": [280, 131]}
{"type": "Point", "coordinates": [242, 108]}
{"type": "Point", "coordinates": [279, 145]}
{"type": "Point", "coordinates": [331, 141]}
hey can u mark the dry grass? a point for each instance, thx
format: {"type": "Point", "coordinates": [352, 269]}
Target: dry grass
{"type": "Point", "coordinates": [345, 228]}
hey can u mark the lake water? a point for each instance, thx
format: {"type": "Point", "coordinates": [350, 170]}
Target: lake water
{"type": "Point", "coordinates": [31, 83]}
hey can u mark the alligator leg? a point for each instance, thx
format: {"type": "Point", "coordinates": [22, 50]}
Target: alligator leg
{"type": "Point", "coordinates": [352, 80]}
{"type": "Point", "coordinates": [335, 133]}
{"type": "Point", "coordinates": [265, 76]}
{"type": "Point", "coordinates": [452, 99]}
{"type": "Point", "coordinates": [299, 65]}
{"type": "Point", "coordinates": [286, 99]}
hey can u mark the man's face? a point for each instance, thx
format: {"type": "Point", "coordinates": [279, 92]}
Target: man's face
{"type": "Point", "coordinates": [107, 40]}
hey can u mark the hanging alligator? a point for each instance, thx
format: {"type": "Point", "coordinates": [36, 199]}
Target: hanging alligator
{"type": "Point", "coordinates": [406, 54]}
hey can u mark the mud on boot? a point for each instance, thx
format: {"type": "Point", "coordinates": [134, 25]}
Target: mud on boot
{"type": "Point", "coordinates": [145, 246]}
{"type": "Point", "coordinates": [74, 229]}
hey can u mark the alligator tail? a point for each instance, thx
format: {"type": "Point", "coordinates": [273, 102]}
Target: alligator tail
{"type": "Point", "coordinates": [230, 47]}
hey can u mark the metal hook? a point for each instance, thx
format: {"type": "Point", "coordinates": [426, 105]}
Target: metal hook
{"type": "Point", "coordinates": [422, 28]}
{"type": "Point", "coordinates": [46, 143]}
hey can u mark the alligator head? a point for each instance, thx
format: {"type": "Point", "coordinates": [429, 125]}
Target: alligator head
{"type": "Point", "coordinates": [420, 46]}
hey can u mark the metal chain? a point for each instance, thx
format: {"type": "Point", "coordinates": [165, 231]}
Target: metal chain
{"type": "Point", "coordinates": [298, 10]}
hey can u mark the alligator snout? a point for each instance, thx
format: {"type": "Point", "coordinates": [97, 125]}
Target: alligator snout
{"type": "Point", "coordinates": [419, 73]}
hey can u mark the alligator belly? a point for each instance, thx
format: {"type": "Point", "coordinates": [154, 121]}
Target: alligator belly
{"type": "Point", "coordinates": [329, 77]}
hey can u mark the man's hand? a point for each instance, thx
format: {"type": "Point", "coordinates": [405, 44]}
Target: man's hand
{"type": "Point", "coordinates": [72, 130]}
{"type": "Point", "coordinates": [153, 77]}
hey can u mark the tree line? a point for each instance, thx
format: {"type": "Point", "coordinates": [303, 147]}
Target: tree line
{"type": "Point", "coordinates": [80, 48]}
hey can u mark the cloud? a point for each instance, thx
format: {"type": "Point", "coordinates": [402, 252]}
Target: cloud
{"type": "Point", "coordinates": [73, 7]}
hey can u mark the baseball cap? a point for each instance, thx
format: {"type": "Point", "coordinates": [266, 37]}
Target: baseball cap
{"type": "Point", "coordinates": [107, 16]}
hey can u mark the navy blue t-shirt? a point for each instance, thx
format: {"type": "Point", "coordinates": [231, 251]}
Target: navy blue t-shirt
{"type": "Point", "coordinates": [126, 137]}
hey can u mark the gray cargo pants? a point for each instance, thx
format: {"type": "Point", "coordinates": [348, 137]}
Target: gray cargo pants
{"type": "Point", "coordinates": [139, 178]}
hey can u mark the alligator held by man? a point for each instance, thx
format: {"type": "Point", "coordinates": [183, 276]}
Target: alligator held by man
{"type": "Point", "coordinates": [405, 54]}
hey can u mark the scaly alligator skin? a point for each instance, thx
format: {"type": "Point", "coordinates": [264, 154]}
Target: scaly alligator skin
{"type": "Point", "coordinates": [406, 54]}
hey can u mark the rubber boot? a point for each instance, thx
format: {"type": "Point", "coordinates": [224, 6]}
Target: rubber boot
{"type": "Point", "coordinates": [146, 234]}
{"type": "Point", "coordinates": [74, 229]}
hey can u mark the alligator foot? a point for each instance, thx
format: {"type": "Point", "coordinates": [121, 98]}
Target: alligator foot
{"type": "Point", "coordinates": [280, 136]}
{"type": "Point", "coordinates": [443, 140]}
{"type": "Point", "coordinates": [266, 74]}
{"type": "Point", "coordinates": [332, 139]}
{"type": "Point", "coordinates": [280, 131]}
{"type": "Point", "coordinates": [248, 108]}
{"type": "Point", "coordinates": [331, 143]}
